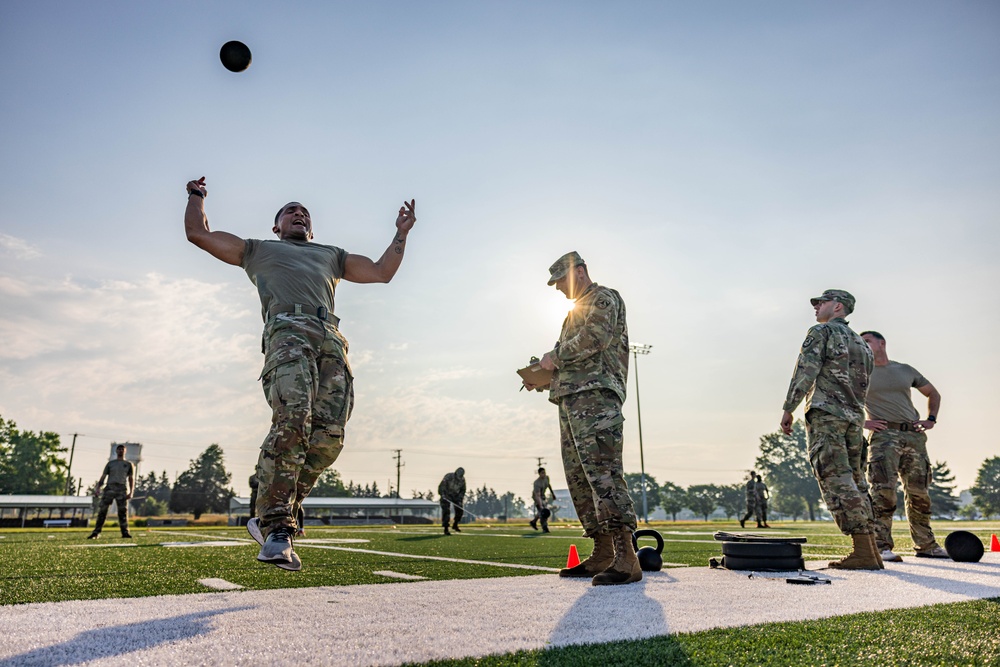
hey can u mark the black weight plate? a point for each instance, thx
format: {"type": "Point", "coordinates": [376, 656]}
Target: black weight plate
{"type": "Point", "coordinates": [763, 564]}
{"type": "Point", "coordinates": [737, 537]}
{"type": "Point", "coordinates": [762, 549]}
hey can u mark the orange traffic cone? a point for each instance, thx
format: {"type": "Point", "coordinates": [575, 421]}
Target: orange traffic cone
{"type": "Point", "coordinates": [574, 558]}
{"type": "Point", "coordinates": [994, 544]}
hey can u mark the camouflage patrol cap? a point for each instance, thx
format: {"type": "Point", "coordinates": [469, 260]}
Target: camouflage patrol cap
{"type": "Point", "coordinates": [838, 295]}
{"type": "Point", "coordinates": [564, 265]}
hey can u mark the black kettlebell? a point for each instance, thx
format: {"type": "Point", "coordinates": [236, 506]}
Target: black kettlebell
{"type": "Point", "coordinates": [650, 559]}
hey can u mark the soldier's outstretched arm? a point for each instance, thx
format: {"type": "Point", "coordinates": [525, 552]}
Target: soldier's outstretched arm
{"type": "Point", "coordinates": [222, 245]}
{"type": "Point", "coordinates": [361, 269]}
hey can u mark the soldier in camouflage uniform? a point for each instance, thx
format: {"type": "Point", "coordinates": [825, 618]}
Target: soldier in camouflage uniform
{"type": "Point", "coordinates": [898, 449]}
{"type": "Point", "coordinates": [751, 495]}
{"type": "Point", "coordinates": [306, 376]}
{"type": "Point", "coordinates": [538, 489]}
{"type": "Point", "coordinates": [451, 493]}
{"type": "Point", "coordinates": [761, 496]}
{"type": "Point", "coordinates": [121, 483]}
{"type": "Point", "coordinates": [590, 369]}
{"type": "Point", "coordinates": [832, 371]}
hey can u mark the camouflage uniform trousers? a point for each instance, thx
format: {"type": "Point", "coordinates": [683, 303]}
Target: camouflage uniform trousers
{"type": "Point", "coordinates": [901, 454]}
{"type": "Point", "coordinates": [308, 383]}
{"type": "Point", "coordinates": [590, 428]}
{"type": "Point", "coordinates": [760, 510]}
{"type": "Point", "coordinates": [115, 493]}
{"type": "Point", "coordinates": [837, 451]}
{"type": "Point", "coordinates": [446, 505]}
{"type": "Point", "coordinates": [542, 514]}
{"type": "Point", "coordinates": [751, 508]}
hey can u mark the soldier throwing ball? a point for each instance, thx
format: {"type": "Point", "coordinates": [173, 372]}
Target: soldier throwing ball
{"type": "Point", "coordinates": [590, 368]}
{"type": "Point", "coordinates": [306, 377]}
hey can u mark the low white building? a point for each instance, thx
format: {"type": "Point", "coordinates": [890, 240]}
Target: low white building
{"type": "Point", "coordinates": [27, 511]}
{"type": "Point", "coordinates": [344, 511]}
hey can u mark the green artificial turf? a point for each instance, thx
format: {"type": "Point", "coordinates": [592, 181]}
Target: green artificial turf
{"type": "Point", "coordinates": [964, 633]}
{"type": "Point", "coordinates": [46, 565]}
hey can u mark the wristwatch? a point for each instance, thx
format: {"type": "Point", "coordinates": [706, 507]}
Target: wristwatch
{"type": "Point", "coordinates": [931, 418]}
{"type": "Point", "coordinates": [197, 193]}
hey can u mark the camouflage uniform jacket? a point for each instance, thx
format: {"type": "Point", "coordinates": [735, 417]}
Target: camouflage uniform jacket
{"type": "Point", "coordinates": [452, 488]}
{"type": "Point", "coordinates": [592, 352]}
{"type": "Point", "coordinates": [832, 370]}
{"type": "Point", "coordinates": [751, 491]}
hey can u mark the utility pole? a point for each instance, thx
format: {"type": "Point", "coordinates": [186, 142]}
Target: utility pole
{"type": "Point", "coordinates": [69, 468]}
{"type": "Point", "coordinates": [541, 461]}
{"type": "Point", "coordinates": [399, 465]}
{"type": "Point", "coordinates": [636, 350]}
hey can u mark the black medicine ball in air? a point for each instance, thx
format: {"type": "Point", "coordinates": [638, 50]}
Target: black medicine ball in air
{"type": "Point", "coordinates": [235, 56]}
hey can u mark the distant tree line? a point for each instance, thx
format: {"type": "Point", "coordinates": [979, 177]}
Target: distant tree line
{"type": "Point", "coordinates": [35, 464]}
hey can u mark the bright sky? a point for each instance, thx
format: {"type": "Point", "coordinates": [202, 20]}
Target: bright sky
{"type": "Point", "coordinates": [717, 163]}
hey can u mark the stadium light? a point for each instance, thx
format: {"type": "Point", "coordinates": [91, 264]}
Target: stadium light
{"type": "Point", "coordinates": [636, 350]}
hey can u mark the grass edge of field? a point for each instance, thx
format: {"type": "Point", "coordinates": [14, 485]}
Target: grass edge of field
{"type": "Point", "coordinates": [911, 637]}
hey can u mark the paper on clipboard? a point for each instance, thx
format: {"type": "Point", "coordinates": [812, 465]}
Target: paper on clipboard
{"type": "Point", "coordinates": [536, 375]}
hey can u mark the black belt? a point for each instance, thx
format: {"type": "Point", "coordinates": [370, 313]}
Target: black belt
{"type": "Point", "coordinates": [319, 312]}
{"type": "Point", "coordinates": [901, 426]}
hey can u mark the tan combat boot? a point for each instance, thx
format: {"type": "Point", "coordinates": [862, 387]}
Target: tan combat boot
{"type": "Point", "coordinates": [875, 550]}
{"type": "Point", "coordinates": [625, 569]}
{"type": "Point", "coordinates": [863, 557]}
{"type": "Point", "coordinates": [597, 562]}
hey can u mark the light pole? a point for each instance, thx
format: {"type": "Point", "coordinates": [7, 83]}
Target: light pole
{"type": "Point", "coordinates": [636, 350]}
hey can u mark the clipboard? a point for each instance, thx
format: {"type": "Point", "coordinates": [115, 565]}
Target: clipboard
{"type": "Point", "coordinates": [536, 375]}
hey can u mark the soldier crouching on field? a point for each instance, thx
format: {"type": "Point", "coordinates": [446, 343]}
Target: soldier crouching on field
{"type": "Point", "coordinates": [451, 493]}
{"type": "Point", "coordinates": [590, 369]}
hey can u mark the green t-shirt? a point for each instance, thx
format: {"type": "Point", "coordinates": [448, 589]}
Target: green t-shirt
{"type": "Point", "coordinates": [889, 392]}
{"type": "Point", "coordinates": [290, 272]}
{"type": "Point", "coordinates": [538, 490]}
{"type": "Point", "coordinates": [118, 472]}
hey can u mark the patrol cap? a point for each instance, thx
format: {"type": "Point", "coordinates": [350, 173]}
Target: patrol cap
{"type": "Point", "coordinates": [838, 295]}
{"type": "Point", "coordinates": [564, 265]}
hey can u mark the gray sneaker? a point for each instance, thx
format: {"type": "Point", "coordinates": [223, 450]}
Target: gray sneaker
{"type": "Point", "coordinates": [935, 552]}
{"type": "Point", "coordinates": [889, 557]}
{"type": "Point", "coordinates": [253, 527]}
{"type": "Point", "coordinates": [277, 550]}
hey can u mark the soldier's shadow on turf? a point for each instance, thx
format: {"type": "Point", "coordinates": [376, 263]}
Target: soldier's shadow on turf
{"type": "Point", "coordinates": [957, 586]}
{"type": "Point", "coordinates": [118, 640]}
{"type": "Point", "coordinates": [611, 613]}
{"type": "Point", "coordinates": [422, 538]}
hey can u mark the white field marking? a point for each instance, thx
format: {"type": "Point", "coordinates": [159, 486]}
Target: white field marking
{"type": "Point", "coordinates": [516, 566]}
{"type": "Point", "coordinates": [398, 575]}
{"type": "Point", "coordinates": [93, 546]}
{"type": "Point", "coordinates": [332, 540]}
{"type": "Point", "coordinates": [219, 584]}
{"type": "Point", "coordinates": [215, 543]}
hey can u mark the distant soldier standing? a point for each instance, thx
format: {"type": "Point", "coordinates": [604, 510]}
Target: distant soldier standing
{"type": "Point", "coordinates": [761, 496]}
{"type": "Point", "coordinates": [451, 493]}
{"type": "Point", "coordinates": [121, 483]}
{"type": "Point", "coordinates": [590, 368]}
{"type": "Point", "coordinates": [542, 512]}
{"type": "Point", "coordinates": [898, 449]}
{"type": "Point", "coordinates": [751, 496]}
{"type": "Point", "coordinates": [832, 371]}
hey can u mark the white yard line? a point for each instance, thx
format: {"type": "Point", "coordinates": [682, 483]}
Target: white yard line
{"type": "Point", "coordinates": [516, 566]}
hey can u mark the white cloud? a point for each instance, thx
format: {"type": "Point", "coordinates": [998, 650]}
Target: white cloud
{"type": "Point", "coordinates": [18, 248]}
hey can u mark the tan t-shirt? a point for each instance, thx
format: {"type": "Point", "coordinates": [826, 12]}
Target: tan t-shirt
{"type": "Point", "coordinates": [118, 472]}
{"type": "Point", "coordinates": [290, 272]}
{"type": "Point", "coordinates": [889, 392]}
